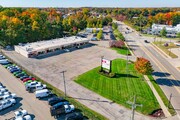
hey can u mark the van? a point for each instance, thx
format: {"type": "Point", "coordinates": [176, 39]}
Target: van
{"type": "Point", "coordinates": [43, 93]}
{"type": "Point", "coordinates": [4, 61]}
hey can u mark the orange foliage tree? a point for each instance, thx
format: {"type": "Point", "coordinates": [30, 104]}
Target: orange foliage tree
{"type": "Point", "coordinates": [143, 66]}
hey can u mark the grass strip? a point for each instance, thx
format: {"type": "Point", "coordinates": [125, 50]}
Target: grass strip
{"type": "Point", "coordinates": [162, 95]}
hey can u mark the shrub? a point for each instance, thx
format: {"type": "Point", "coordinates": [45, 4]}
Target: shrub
{"type": "Point", "coordinates": [117, 44]}
{"type": "Point", "coordinates": [104, 73]}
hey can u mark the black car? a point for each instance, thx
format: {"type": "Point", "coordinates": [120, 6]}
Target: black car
{"type": "Point", "coordinates": [54, 100]}
{"type": "Point", "coordinates": [23, 77]}
{"type": "Point", "coordinates": [146, 41]}
{"type": "Point", "coordinates": [74, 116]}
{"type": "Point", "coordinates": [20, 75]}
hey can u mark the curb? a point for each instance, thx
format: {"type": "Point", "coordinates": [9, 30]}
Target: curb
{"type": "Point", "coordinates": [165, 54]}
{"type": "Point", "coordinates": [129, 49]}
{"type": "Point", "coordinates": [157, 96]}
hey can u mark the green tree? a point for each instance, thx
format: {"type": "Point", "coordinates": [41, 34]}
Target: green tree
{"type": "Point", "coordinates": [100, 35]}
{"type": "Point", "coordinates": [178, 35]}
{"type": "Point", "coordinates": [163, 32]}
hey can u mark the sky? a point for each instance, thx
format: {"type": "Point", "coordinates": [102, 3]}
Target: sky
{"type": "Point", "coordinates": [90, 3]}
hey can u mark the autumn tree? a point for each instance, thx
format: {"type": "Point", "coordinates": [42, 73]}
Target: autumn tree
{"type": "Point", "coordinates": [143, 66]}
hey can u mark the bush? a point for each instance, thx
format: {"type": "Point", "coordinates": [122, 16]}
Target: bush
{"type": "Point", "coordinates": [104, 73]}
{"type": "Point", "coordinates": [116, 44]}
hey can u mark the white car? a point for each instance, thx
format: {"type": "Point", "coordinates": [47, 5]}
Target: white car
{"type": "Point", "coordinates": [3, 90]}
{"type": "Point", "coordinates": [67, 50]}
{"type": "Point", "coordinates": [20, 113]}
{"type": "Point", "coordinates": [26, 117]}
{"type": "Point", "coordinates": [32, 84]}
{"type": "Point", "coordinates": [8, 96]}
{"type": "Point", "coordinates": [4, 93]}
{"type": "Point", "coordinates": [7, 103]}
{"type": "Point", "coordinates": [40, 86]}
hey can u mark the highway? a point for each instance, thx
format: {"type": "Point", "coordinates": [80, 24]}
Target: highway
{"type": "Point", "coordinates": [165, 74]}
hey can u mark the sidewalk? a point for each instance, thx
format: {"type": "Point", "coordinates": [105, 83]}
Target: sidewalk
{"type": "Point", "coordinates": [161, 103]}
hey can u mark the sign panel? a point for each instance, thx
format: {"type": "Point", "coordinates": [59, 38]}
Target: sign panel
{"type": "Point", "coordinates": [106, 63]}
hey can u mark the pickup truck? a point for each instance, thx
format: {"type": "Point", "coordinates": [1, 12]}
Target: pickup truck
{"type": "Point", "coordinates": [36, 87]}
{"type": "Point", "coordinates": [64, 109]}
{"type": "Point", "coordinates": [7, 103]}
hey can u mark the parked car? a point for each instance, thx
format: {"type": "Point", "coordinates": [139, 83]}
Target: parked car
{"type": "Point", "coordinates": [4, 61]}
{"type": "Point", "coordinates": [62, 110]}
{"type": "Point", "coordinates": [14, 70]}
{"type": "Point", "coordinates": [7, 103]}
{"type": "Point", "coordinates": [36, 87]}
{"type": "Point", "coordinates": [13, 66]}
{"type": "Point", "coordinates": [20, 75]}
{"type": "Point", "coordinates": [7, 65]}
{"type": "Point", "coordinates": [26, 117]}
{"type": "Point", "coordinates": [23, 77]}
{"type": "Point", "coordinates": [18, 72]}
{"type": "Point", "coordinates": [31, 84]}
{"type": "Point", "coordinates": [8, 96]}
{"type": "Point", "coordinates": [74, 116]}
{"type": "Point", "coordinates": [54, 100]}
{"type": "Point", "coordinates": [4, 93]}
{"type": "Point", "coordinates": [20, 113]}
{"type": "Point", "coordinates": [43, 93]}
{"type": "Point", "coordinates": [29, 78]}
{"type": "Point", "coordinates": [66, 50]}
{"type": "Point", "coordinates": [2, 57]}
{"type": "Point", "coordinates": [3, 90]}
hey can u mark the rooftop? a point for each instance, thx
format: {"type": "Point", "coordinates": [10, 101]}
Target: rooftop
{"type": "Point", "coordinates": [48, 44]}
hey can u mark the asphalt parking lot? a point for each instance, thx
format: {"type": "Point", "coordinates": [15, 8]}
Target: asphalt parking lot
{"type": "Point", "coordinates": [75, 63]}
{"type": "Point", "coordinates": [38, 109]}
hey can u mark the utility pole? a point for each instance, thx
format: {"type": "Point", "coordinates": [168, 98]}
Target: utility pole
{"type": "Point", "coordinates": [64, 82]}
{"type": "Point", "coordinates": [133, 107]}
{"type": "Point", "coordinates": [170, 100]}
{"type": "Point", "coordinates": [127, 61]}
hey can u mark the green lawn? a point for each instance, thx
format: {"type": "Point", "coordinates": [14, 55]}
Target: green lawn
{"type": "Point", "coordinates": [160, 44]}
{"type": "Point", "coordinates": [123, 51]}
{"type": "Point", "coordinates": [162, 95]}
{"type": "Point", "coordinates": [122, 88]}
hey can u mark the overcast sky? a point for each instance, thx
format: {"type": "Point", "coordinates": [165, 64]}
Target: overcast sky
{"type": "Point", "coordinates": [90, 3]}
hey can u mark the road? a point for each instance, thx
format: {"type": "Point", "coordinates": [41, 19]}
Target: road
{"type": "Point", "coordinates": [166, 75]}
{"type": "Point", "coordinates": [36, 108]}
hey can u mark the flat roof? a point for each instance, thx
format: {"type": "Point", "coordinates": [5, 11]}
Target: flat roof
{"type": "Point", "coordinates": [50, 44]}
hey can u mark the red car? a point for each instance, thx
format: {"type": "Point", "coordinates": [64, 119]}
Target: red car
{"type": "Point", "coordinates": [26, 79]}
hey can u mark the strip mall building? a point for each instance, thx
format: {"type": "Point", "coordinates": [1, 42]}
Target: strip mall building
{"type": "Point", "coordinates": [44, 47]}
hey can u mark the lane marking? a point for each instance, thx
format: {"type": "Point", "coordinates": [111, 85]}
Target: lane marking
{"type": "Point", "coordinates": [154, 60]}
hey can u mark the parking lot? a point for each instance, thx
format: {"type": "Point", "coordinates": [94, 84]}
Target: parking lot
{"type": "Point", "coordinates": [38, 109]}
{"type": "Point", "coordinates": [75, 63]}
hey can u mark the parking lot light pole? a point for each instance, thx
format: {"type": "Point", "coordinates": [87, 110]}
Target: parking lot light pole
{"type": "Point", "coordinates": [64, 82]}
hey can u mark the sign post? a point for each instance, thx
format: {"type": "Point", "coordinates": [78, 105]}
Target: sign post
{"type": "Point", "coordinates": [106, 64]}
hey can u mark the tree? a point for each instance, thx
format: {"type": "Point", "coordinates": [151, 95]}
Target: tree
{"type": "Point", "coordinates": [143, 66]}
{"type": "Point", "coordinates": [100, 35]}
{"type": "Point", "coordinates": [178, 35]}
{"type": "Point", "coordinates": [163, 32]}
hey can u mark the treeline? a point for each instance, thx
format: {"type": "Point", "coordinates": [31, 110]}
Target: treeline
{"type": "Point", "coordinates": [19, 25]}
